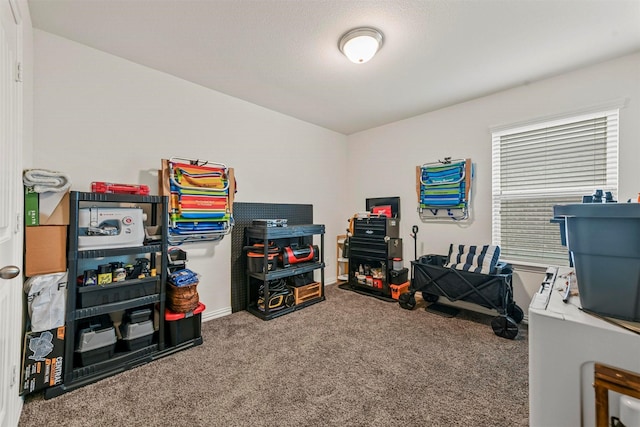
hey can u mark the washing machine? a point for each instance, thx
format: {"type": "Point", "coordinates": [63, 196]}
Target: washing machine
{"type": "Point", "coordinates": [564, 344]}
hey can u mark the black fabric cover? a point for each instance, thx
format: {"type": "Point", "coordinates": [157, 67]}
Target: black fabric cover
{"type": "Point", "coordinates": [493, 291]}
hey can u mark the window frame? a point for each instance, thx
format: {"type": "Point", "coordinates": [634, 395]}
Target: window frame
{"type": "Point", "coordinates": [499, 195]}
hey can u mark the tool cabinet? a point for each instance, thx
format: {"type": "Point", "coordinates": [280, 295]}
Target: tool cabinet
{"type": "Point", "coordinates": [373, 246]}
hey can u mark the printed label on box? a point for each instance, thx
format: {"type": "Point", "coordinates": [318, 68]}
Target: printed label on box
{"type": "Point", "coordinates": [31, 212]}
{"type": "Point", "coordinates": [43, 359]}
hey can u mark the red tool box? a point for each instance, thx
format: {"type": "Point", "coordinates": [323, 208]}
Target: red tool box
{"type": "Point", "coordinates": [109, 187]}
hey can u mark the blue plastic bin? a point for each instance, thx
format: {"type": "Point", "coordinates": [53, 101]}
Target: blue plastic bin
{"type": "Point", "coordinates": [604, 240]}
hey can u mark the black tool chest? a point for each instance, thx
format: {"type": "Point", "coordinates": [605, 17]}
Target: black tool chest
{"type": "Point", "coordinates": [139, 299]}
{"type": "Point", "coordinates": [273, 288]}
{"type": "Point", "coordinates": [372, 247]}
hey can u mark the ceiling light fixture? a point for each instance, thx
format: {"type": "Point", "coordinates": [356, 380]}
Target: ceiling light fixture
{"type": "Point", "coordinates": [360, 44]}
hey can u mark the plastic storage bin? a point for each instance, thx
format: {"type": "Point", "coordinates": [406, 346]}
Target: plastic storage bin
{"type": "Point", "coordinates": [96, 346]}
{"type": "Point", "coordinates": [398, 277]}
{"type": "Point", "coordinates": [137, 335]}
{"type": "Point", "coordinates": [255, 262]}
{"type": "Point", "coordinates": [182, 327]}
{"type": "Point", "coordinates": [604, 240]}
{"type": "Point", "coordinates": [137, 315]}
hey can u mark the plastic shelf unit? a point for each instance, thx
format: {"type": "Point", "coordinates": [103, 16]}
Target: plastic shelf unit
{"type": "Point", "coordinates": [261, 283]}
{"type": "Point", "coordinates": [88, 305]}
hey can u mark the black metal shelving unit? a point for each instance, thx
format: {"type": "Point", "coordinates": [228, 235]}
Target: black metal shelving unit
{"type": "Point", "coordinates": [83, 303]}
{"type": "Point", "coordinates": [301, 234]}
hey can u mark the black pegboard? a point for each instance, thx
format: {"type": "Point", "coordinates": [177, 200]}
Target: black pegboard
{"type": "Point", "coordinates": [243, 215]}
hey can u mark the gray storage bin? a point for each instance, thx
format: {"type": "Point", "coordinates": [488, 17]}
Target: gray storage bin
{"type": "Point", "coordinates": [604, 240]}
{"type": "Point", "coordinates": [137, 335]}
{"type": "Point", "coordinates": [96, 346]}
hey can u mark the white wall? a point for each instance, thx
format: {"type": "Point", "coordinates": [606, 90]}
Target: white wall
{"type": "Point", "coordinates": [99, 117]}
{"type": "Point", "coordinates": [27, 82]}
{"type": "Point", "coordinates": [102, 118]}
{"type": "Point", "coordinates": [382, 161]}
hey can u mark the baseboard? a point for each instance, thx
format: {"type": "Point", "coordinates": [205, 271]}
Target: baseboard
{"type": "Point", "coordinates": [214, 314]}
{"type": "Point", "coordinates": [221, 312]}
{"type": "Point", "coordinates": [330, 280]}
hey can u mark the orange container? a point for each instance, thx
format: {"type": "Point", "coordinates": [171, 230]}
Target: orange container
{"type": "Point", "coordinates": [397, 290]}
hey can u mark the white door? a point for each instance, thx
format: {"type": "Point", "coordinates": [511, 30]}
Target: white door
{"type": "Point", "coordinates": [10, 213]}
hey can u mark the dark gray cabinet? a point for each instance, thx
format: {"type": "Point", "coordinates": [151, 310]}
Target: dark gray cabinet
{"type": "Point", "coordinates": [372, 248]}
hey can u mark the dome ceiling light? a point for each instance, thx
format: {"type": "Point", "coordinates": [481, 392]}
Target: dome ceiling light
{"type": "Point", "coordinates": [360, 44]}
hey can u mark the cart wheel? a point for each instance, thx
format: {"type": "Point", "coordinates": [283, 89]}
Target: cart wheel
{"type": "Point", "coordinates": [515, 312]}
{"type": "Point", "coordinates": [407, 301]}
{"type": "Point", "coordinates": [429, 297]}
{"type": "Point", "coordinates": [505, 327]}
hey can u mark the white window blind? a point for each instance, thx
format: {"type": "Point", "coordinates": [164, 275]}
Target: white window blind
{"type": "Point", "coordinates": [546, 164]}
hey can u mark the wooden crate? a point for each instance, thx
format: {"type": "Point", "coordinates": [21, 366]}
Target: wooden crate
{"type": "Point", "coordinates": [308, 292]}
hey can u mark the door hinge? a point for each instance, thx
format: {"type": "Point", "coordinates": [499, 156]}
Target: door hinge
{"type": "Point", "coordinates": [19, 72]}
{"type": "Point", "coordinates": [18, 223]}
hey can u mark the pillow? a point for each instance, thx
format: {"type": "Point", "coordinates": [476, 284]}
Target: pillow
{"type": "Point", "coordinates": [477, 259]}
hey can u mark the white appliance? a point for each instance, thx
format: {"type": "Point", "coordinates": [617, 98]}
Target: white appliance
{"type": "Point", "coordinates": [564, 343]}
{"type": "Point", "coordinates": [103, 228]}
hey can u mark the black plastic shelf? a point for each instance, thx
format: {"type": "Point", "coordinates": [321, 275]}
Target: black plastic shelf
{"type": "Point", "coordinates": [384, 292]}
{"type": "Point", "coordinates": [291, 234]}
{"type": "Point", "coordinates": [119, 361]}
{"type": "Point", "coordinates": [90, 301]}
{"type": "Point", "coordinates": [288, 271]}
{"type": "Point", "coordinates": [182, 346]}
{"type": "Point", "coordinates": [253, 309]}
{"type": "Point", "coordinates": [83, 313]}
{"type": "Point", "coordinates": [103, 253]}
{"type": "Point", "coordinates": [272, 314]}
{"type": "Point", "coordinates": [115, 198]}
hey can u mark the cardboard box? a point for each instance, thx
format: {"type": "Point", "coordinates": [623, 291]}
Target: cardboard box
{"type": "Point", "coordinates": [42, 360]}
{"type": "Point", "coordinates": [48, 208]}
{"type": "Point", "coordinates": [45, 249]}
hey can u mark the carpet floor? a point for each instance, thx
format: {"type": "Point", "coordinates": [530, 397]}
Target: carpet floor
{"type": "Point", "coordinates": [351, 360]}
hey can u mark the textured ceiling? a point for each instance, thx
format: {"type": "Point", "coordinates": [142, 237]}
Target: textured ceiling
{"type": "Point", "coordinates": [283, 54]}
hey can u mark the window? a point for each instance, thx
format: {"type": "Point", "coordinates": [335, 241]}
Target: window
{"type": "Point", "coordinates": [541, 165]}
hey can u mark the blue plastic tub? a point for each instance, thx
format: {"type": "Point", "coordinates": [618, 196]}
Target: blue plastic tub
{"type": "Point", "coordinates": [604, 241]}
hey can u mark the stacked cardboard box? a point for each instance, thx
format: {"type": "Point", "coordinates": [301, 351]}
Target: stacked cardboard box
{"type": "Point", "coordinates": [46, 220]}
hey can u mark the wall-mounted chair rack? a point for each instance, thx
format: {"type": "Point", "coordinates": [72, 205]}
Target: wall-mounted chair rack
{"type": "Point", "coordinates": [201, 200]}
{"type": "Point", "coordinates": [444, 189]}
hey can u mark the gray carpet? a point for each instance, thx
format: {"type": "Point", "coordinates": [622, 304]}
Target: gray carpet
{"type": "Point", "coordinates": [351, 360]}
